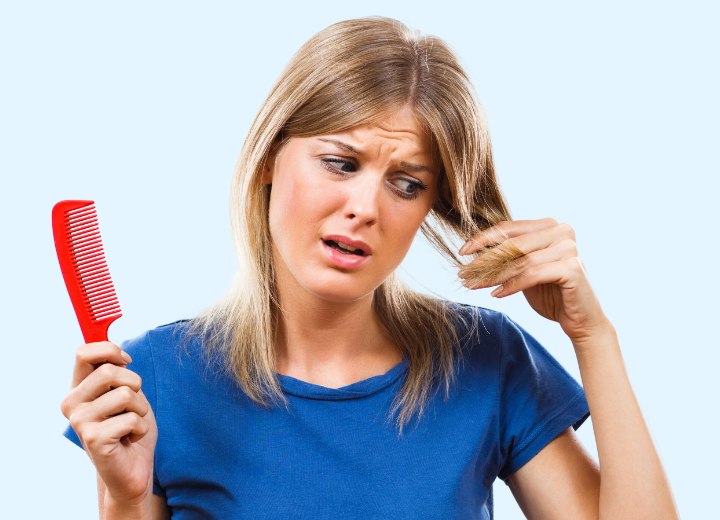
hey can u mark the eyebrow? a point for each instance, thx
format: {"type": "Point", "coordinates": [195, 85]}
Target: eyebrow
{"type": "Point", "coordinates": [410, 166]}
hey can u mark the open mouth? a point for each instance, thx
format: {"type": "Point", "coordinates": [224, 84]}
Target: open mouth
{"type": "Point", "coordinates": [345, 249]}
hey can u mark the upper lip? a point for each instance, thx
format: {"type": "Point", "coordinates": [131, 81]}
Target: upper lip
{"type": "Point", "coordinates": [357, 244]}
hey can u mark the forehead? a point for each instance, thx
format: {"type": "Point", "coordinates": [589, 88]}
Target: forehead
{"type": "Point", "coordinates": [399, 128]}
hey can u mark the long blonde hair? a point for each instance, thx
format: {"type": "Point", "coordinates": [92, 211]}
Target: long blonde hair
{"type": "Point", "coordinates": [352, 73]}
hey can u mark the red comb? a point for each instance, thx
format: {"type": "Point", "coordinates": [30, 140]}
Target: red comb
{"type": "Point", "coordinates": [82, 262]}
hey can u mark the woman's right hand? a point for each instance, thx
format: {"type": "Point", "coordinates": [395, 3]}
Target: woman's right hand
{"type": "Point", "coordinates": [116, 425]}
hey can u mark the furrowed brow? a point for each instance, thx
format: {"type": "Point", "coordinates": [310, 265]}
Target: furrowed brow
{"type": "Point", "coordinates": [410, 166]}
{"type": "Point", "coordinates": [342, 145]}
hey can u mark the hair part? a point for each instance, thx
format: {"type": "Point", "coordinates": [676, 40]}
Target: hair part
{"type": "Point", "coordinates": [354, 73]}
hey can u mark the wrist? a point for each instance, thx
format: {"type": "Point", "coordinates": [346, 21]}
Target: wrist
{"type": "Point", "coordinates": [602, 335]}
{"type": "Point", "coordinates": [135, 510]}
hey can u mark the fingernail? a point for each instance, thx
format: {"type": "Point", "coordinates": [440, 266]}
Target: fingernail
{"type": "Point", "coordinates": [126, 356]}
{"type": "Point", "coordinates": [464, 249]}
{"type": "Point", "coordinates": [497, 291]}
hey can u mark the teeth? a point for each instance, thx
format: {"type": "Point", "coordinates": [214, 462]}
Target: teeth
{"type": "Point", "coordinates": [341, 246]}
{"type": "Point", "coordinates": [345, 247]}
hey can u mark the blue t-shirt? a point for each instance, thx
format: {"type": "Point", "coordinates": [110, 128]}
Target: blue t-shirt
{"type": "Point", "coordinates": [334, 454]}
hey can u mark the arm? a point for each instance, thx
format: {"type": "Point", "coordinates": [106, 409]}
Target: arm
{"type": "Point", "coordinates": [155, 509]}
{"type": "Point", "coordinates": [115, 424]}
{"type": "Point", "coordinates": [630, 482]}
{"type": "Point", "coordinates": [560, 482]}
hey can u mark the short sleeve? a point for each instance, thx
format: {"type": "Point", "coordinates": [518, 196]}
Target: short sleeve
{"type": "Point", "coordinates": [140, 350]}
{"type": "Point", "coordinates": [539, 399]}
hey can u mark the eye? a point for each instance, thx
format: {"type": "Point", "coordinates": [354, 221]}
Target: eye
{"type": "Point", "coordinates": [408, 189]}
{"type": "Point", "coordinates": [328, 162]}
{"type": "Point", "coordinates": [412, 188]}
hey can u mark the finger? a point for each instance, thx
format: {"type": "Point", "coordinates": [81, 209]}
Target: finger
{"type": "Point", "coordinates": [102, 438]}
{"type": "Point", "coordinates": [100, 381]}
{"type": "Point", "coordinates": [503, 231]}
{"type": "Point", "coordinates": [558, 272]}
{"type": "Point", "coordinates": [90, 355]}
{"type": "Point", "coordinates": [117, 401]}
{"type": "Point", "coordinates": [564, 249]}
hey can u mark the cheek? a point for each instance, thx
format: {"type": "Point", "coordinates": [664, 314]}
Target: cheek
{"type": "Point", "coordinates": [297, 205]}
{"type": "Point", "coordinates": [400, 232]}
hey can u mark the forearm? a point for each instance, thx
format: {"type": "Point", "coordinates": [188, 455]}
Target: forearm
{"type": "Point", "coordinates": [632, 481]}
{"type": "Point", "coordinates": [111, 510]}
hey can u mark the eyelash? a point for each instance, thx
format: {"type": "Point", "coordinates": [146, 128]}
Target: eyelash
{"type": "Point", "coordinates": [419, 186]}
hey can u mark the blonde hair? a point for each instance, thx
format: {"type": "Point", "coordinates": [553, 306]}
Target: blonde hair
{"type": "Point", "coordinates": [351, 73]}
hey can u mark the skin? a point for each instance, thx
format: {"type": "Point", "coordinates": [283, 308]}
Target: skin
{"type": "Point", "coordinates": [336, 337]}
{"type": "Point", "coordinates": [329, 335]}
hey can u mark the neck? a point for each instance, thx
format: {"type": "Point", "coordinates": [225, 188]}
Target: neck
{"type": "Point", "coordinates": [316, 333]}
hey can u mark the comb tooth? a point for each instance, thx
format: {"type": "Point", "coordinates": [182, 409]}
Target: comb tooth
{"type": "Point", "coordinates": [93, 276]}
{"type": "Point", "coordinates": [106, 308]}
{"type": "Point", "coordinates": [87, 256]}
{"type": "Point", "coordinates": [89, 263]}
{"type": "Point", "coordinates": [83, 235]}
{"type": "Point", "coordinates": [94, 284]}
{"type": "Point", "coordinates": [80, 225]}
{"type": "Point", "coordinates": [96, 289]}
{"type": "Point", "coordinates": [99, 299]}
{"type": "Point", "coordinates": [79, 245]}
{"type": "Point", "coordinates": [99, 291]}
{"type": "Point", "coordinates": [90, 256]}
{"type": "Point", "coordinates": [80, 214]}
{"type": "Point", "coordinates": [91, 266]}
{"type": "Point", "coordinates": [86, 241]}
{"type": "Point", "coordinates": [81, 249]}
{"type": "Point", "coordinates": [88, 217]}
{"type": "Point", "coordinates": [103, 306]}
{"type": "Point", "coordinates": [99, 308]}
{"type": "Point", "coordinates": [81, 219]}
{"type": "Point", "coordinates": [82, 209]}
{"type": "Point", "coordinates": [107, 315]}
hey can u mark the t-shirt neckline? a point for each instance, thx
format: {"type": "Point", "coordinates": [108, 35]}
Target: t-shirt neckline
{"type": "Point", "coordinates": [356, 390]}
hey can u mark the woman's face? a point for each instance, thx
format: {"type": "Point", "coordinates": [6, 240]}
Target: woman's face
{"type": "Point", "coordinates": [367, 189]}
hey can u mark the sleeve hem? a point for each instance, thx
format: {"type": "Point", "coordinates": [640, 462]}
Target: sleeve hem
{"type": "Point", "coordinates": [574, 414]}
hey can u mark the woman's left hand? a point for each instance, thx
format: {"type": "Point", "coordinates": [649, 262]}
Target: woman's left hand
{"type": "Point", "coordinates": [550, 275]}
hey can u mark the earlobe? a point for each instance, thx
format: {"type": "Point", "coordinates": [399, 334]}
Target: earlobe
{"type": "Point", "coordinates": [267, 171]}
{"type": "Point", "coordinates": [269, 164]}
{"type": "Point", "coordinates": [267, 174]}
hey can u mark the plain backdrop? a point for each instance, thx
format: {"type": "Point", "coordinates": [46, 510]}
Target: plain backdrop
{"type": "Point", "coordinates": [604, 116]}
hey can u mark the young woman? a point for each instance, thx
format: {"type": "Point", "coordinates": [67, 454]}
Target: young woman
{"type": "Point", "coordinates": [322, 387]}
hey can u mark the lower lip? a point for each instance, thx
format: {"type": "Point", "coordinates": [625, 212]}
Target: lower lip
{"type": "Point", "coordinates": [347, 261]}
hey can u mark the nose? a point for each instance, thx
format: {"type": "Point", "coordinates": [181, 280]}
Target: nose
{"type": "Point", "coordinates": [363, 200]}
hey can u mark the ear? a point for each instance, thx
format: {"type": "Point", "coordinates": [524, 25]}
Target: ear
{"type": "Point", "coordinates": [269, 166]}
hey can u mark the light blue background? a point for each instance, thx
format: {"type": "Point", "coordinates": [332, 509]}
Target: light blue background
{"type": "Point", "coordinates": [603, 116]}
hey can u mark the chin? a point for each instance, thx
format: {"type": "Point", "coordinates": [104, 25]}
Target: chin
{"type": "Point", "coordinates": [338, 290]}
{"type": "Point", "coordinates": [339, 294]}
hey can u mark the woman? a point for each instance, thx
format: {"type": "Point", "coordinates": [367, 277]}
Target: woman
{"type": "Point", "coordinates": [322, 387]}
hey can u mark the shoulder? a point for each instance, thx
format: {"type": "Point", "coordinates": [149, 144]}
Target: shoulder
{"type": "Point", "coordinates": [162, 346]}
{"type": "Point", "coordinates": [491, 337]}
{"type": "Point", "coordinates": [475, 325]}
{"type": "Point", "coordinates": [168, 334]}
